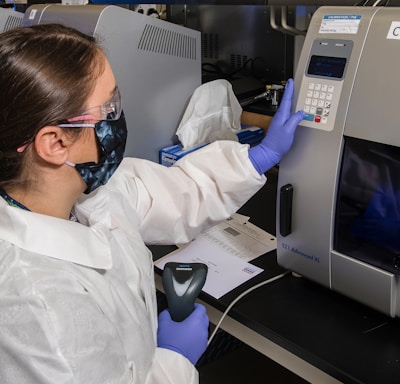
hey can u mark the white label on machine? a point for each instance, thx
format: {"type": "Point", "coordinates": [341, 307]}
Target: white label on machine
{"type": "Point", "coordinates": [347, 24]}
{"type": "Point", "coordinates": [32, 14]}
{"type": "Point", "coordinates": [394, 31]}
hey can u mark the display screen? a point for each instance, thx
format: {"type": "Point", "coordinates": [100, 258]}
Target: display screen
{"type": "Point", "coordinates": [367, 222]}
{"type": "Point", "coordinates": [327, 66]}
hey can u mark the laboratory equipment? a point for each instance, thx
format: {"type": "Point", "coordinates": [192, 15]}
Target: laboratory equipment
{"type": "Point", "coordinates": [182, 284]}
{"type": "Point", "coordinates": [157, 65]}
{"type": "Point", "coordinates": [9, 19]}
{"type": "Point", "coordinates": [338, 211]}
{"type": "Point", "coordinates": [238, 41]}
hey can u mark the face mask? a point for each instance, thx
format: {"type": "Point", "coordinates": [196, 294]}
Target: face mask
{"type": "Point", "coordinates": [111, 135]}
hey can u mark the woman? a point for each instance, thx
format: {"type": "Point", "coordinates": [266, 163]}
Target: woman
{"type": "Point", "coordinates": [77, 296]}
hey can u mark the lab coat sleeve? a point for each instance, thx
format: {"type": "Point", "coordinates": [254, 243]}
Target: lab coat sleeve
{"type": "Point", "coordinates": [171, 368]}
{"type": "Point", "coordinates": [203, 188]}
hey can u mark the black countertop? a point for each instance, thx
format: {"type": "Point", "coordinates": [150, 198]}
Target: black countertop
{"type": "Point", "coordinates": [345, 339]}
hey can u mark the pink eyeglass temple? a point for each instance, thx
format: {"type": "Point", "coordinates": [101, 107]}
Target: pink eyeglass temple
{"type": "Point", "coordinates": [22, 148]}
{"type": "Point", "coordinates": [81, 118]}
{"type": "Point", "coordinates": [77, 118]}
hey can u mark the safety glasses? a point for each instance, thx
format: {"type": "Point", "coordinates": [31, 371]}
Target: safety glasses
{"type": "Point", "coordinates": [110, 110]}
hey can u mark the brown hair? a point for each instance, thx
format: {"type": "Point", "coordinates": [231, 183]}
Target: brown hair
{"type": "Point", "coordinates": [47, 74]}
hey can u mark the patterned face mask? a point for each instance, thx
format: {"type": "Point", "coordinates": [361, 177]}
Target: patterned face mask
{"type": "Point", "coordinates": [111, 135]}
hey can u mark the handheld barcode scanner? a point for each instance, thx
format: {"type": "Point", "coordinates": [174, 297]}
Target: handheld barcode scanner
{"type": "Point", "coordinates": [182, 284]}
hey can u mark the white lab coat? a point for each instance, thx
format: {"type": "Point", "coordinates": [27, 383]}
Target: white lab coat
{"type": "Point", "coordinates": [77, 302]}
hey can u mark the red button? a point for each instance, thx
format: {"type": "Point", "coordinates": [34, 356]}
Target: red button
{"type": "Point", "coordinates": [317, 119]}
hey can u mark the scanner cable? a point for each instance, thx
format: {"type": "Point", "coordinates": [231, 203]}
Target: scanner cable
{"type": "Point", "coordinates": [265, 282]}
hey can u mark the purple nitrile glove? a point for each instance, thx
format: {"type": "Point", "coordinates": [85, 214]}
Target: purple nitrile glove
{"type": "Point", "coordinates": [188, 337]}
{"type": "Point", "coordinates": [280, 133]}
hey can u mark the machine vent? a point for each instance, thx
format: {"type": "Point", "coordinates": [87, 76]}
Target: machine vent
{"type": "Point", "coordinates": [12, 22]}
{"type": "Point", "coordinates": [210, 46]}
{"type": "Point", "coordinates": [164, 41]}
{"type": "Point", "coordinates": [239, 61]}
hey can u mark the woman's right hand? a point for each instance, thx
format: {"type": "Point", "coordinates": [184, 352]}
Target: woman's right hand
{"type": "Point", "coordinates": [188, 337]}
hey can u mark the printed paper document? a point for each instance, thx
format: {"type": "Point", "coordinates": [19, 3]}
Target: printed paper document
{"type": "Point", "coordinates": [226, 249]}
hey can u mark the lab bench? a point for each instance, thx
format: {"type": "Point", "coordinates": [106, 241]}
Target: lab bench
{"type": "Point", "coordinates": [316, 333]}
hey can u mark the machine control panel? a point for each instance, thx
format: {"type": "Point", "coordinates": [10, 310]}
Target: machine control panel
{"type": "Point", "coordinates": [318, 102]}
{"type": "Point", "coordinates": [322, 83]}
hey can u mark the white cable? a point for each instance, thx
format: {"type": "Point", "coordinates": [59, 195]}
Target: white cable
{"type": "Point", "coordinates": [376, 3]}
{"type": "Point", "coordinates": [265, 282]}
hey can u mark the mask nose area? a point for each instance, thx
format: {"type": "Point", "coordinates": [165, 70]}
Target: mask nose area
{"type": "Point", "coordinates": [110, 134]}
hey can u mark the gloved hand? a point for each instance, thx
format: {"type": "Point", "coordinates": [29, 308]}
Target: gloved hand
{"type": "Point", "coordinates": [188, 337]}
{"type": "Point", "coordinates": [280, 133]}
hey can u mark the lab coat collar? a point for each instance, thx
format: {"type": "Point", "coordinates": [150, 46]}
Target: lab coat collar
{"type": "Point", "coordinates": [56, 238]}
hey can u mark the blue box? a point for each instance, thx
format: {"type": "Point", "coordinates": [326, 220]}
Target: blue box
{"type": "Point", "coordinates": [247, 135]}
{"type": "Point", "coordinates": [170, 155]}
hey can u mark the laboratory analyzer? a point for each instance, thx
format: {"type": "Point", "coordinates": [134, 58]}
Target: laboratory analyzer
{"type": "Point", "coordinates": [338, 214]}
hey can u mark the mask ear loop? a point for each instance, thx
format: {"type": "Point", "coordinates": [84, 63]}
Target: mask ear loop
{"type": "Point", "coordinates": [78, 125]}
{"type": "Point", "coordinates": [70, 164]}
